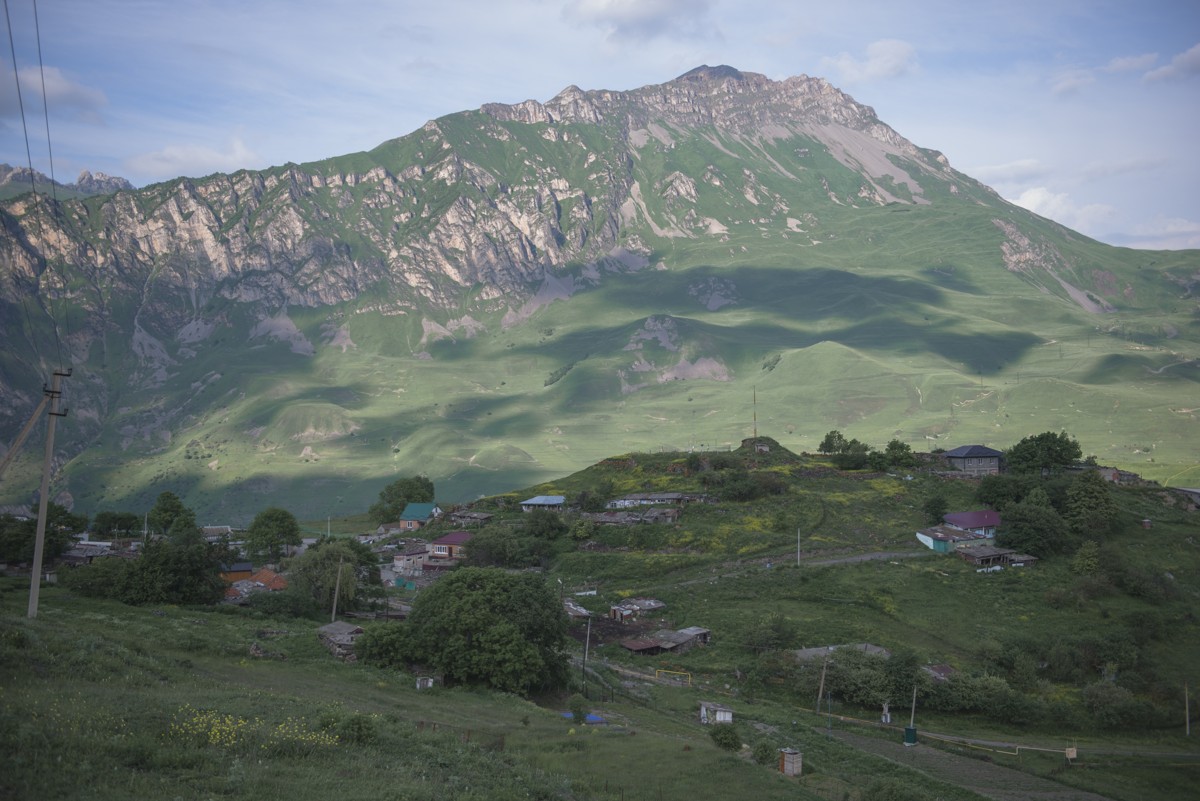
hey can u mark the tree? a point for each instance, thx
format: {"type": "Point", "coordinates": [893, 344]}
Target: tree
{"type": "Point", "coordinates": [935, 508]}
{"type": "Point", "coordinates": [1086, 561]}
{"type": "Point", "coordinates": [1091, 511]}
{"type": "Point", "coordinates": [487, 627]}
{"type": "Point", "coordinates": [1043, 453]}
{"type": "Point", "coordinates": [1033, 529]}
{"type": "Point", "coordinates": [167, 512]}
{"type": "Point", "coordinates": [108, 523]}
{"type": "Point", "coordinates": [834, 442]}
{"type": "Point", "coordinates": [17, 536]}
{"type": "Point", "coordinates": [331, 566]}
{"type": "Point", "coordinates": [182, 569]}
{"type": "Point", "coordinates": [544, 525]}
{"type": "Point", "coordinates": [899, 454]}
{"type": "Point", "coordinates": [853, 456]}
{"type": "Point", "coordinates": [998, 491]}
{"type": "Point", "coordinates": [270, 531]}
{"type": "Point", "coordinates": [771, 633]}
{"type": "Point", "coordinates": [395, 496]}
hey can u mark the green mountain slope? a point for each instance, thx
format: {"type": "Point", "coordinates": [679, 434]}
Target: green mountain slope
{"type": "Point", "coordinates": [510, 293]}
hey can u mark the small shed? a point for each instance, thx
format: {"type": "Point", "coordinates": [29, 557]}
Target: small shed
{"type": "Point", "coordinates": [986, 555]}
{"type": "Point", "coordinates": [629, 609]}
{"type": "Point", "coordinates": [712, 712]}
{"type": "Point", "coordinates": [338, 637]}
{"type": "Point", "coordinates": [697, 635]}
{"type": "Point", "coordinates": [642, 647]}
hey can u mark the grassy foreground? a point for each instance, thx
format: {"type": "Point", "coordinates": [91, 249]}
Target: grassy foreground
{"type": "Point", "coordinates": [99, 700]}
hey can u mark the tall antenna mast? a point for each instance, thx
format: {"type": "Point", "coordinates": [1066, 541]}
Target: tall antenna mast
{"type": "Point", "coordinates": [754, 405]}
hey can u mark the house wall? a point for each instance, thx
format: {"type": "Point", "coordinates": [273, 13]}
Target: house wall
{"type": "Point", "coordinates": [977, 466]}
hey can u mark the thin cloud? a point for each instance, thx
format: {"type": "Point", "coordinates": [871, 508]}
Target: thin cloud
{"type": "Point", "coordinates": [1132, 63]}
{"type": "Point", "coordinates": [1182, 66]}
{"type": "Point", "coordinates": [193, 160]}
{"type": "Point", "coordinates": [1164, 233]}
{"type": "Point", "coordinates": [1107, 169]}
{"type": "Point", "coordinates": [1058, 206]}
{"type": "Point", "coordinates": [1071, 81]}
{"type": "Point", "coordinates": [886, 58]}
{"type": "Point", "coordinates": [64, 96]}
{"type": "Point", "coordinates": [1019, 171]}
{"type": "Point", "coordinates": [644, 19]}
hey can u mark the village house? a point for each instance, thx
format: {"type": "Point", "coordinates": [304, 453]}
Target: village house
{"type": "Point", "coordinates": [262, 580]}
{"type": "Point", "coordinates": [408, 560]}
{"type": "Point", "coordinates": [414, 516]}
{"type": "Point", "coordinates": [632, 608]}
{"type": "Point", "coordinates": [552, 503]}
{"type": "Point", "coordinates": [450, 546]}
{"type": "Point", "coordinates": [465, 517]}
{"type": "Point", "coordinates": [647, 499]}
{"type": "Point", "coordinates": [236, 571]}
{"type": "Point", "coordinates": [948, 539]}
{"type": "Point", "coordinates": [974, 460]}
{"type": "Point", "coordinates": [984, 521]}
{"type": "Point", "coordinates": [669, 641]}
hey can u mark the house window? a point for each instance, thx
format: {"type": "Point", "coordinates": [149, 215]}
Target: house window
{"type": "Point", "coordinates": [442, 549]}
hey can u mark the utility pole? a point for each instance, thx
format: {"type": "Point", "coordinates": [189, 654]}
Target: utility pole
{"type": "Point", "coordinates": [586, 645]}
{"type": "Point", "coordinates": [821, 686]}
{"type": "Point", "coordinates": [797, 547]}
{"type": "Point", "coordinates": [39, 545]}
{"type": "Point", "coordinates": [337, 588]}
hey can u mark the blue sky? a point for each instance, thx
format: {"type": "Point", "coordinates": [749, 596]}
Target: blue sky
{"type": "Point", "coordinates": [1084, 111]}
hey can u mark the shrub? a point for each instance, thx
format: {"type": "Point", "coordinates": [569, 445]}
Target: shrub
{"type": "Point", "coordinates": [894, 790]}
{"type": "Point", "coordinates": [765, 753]}
{"type": "Point", "coordinates": [578, 706]}
{"type": "Point", "coordinates": [726, 736]}
{"type": "Point", "coordinates": [291, 602]}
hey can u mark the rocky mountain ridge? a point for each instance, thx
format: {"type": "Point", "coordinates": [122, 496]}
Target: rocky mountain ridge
{"type": "Point", "coordinates": [458, 242]}
{"type": "Point", "coordinates": [16, 180]}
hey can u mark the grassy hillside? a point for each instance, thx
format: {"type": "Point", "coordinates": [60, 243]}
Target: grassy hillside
{"type": "Point", "coordinates": [173, 703]}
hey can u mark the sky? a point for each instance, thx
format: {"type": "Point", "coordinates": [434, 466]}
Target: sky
{"type": "Point", "coordinates": [1083, 111]}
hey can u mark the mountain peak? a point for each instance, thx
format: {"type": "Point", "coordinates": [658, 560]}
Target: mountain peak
{"type": "Point", "coordinates": [707, 73]}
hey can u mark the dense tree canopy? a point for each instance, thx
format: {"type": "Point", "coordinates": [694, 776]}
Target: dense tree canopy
{"type": "Point", "coordinates": [488, 627]}
{"type": "Point", "coordinates": [1046, 452]}
{"type": "Point", "coordinates": [17, 536]}
{"type": "Point", "coordinates": [169, 513]}
{"type": "Point", "coordinates": [105, 524]}
{"type": "Point", "coordinates": [271, 530]}
{"type": "Point", "coordinates": [834, 442]}
{"type": "Point", "coordinates": [182, 569]}
{"type": "Point", "coordinates": [1090, 511]}
{"type": "Point", "coordinates": [1034, 528]}
{"type": "Point", "coordinates": [395, 496]}
{"type": "Point", "coordinates": [317, 571]}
